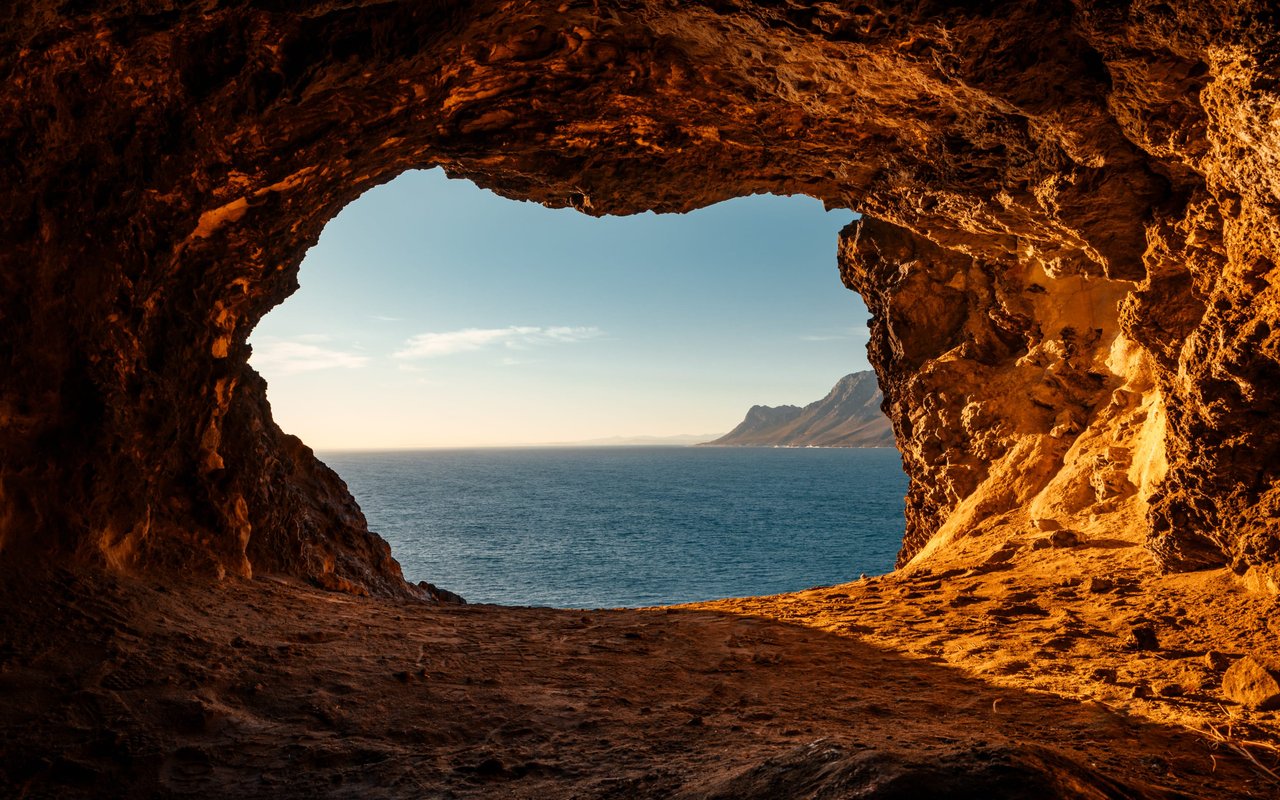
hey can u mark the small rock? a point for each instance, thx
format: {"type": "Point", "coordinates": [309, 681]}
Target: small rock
{"type": "Point", "coordinates": [1006, 552]}
{"type": "Point", "coordinates": [1140, 690]}
{"type": "Point", "coordinates": [1103, 675]}
{"type": "Point", "coordinates": [1065, 425]}
{"type": "Point", "coordinates": [1064, 538]}
{"type": "Point", "coordinates": [1142, 637]}
{"type": "Point", "coordinates": [1252, 684]}
{"type": "Point", "coordinates": [1096, 585]}
{"type": "Point", "coordinates": [1047, 525]}
{"type": "Point", "coordinates": [1041, 544]}
{"type": "Point", "coordinates": [1170, 690]}
{"type": "Point", "coordinates": [1216, 661]}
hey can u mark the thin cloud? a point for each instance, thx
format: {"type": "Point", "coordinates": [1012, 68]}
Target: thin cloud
{"type": "Point", "coordinates": [291, 356]}
{"type": "Point", "coordinates": [514, 337]}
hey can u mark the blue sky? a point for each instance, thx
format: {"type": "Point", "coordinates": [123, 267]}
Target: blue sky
{"type": "Point", "coordinates": [433, 313]}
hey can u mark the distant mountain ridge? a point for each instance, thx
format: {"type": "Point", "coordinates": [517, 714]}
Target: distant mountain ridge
{"type": "Point", "coordinates": [849, 416]}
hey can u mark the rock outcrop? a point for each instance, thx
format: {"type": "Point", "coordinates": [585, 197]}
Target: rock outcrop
{"type": "Point", "coordinates": [849, 416]}
{"type": "Point", "coordinates": [1069, 239]}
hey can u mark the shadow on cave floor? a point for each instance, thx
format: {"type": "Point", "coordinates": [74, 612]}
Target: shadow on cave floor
{"type": "Point", "coordinates": [267, 688]}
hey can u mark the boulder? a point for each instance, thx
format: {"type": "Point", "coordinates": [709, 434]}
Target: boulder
{"type": "Point", "coordinates": [1064, 538]}
{"type": "Point", "coordinates": [1252, 683]}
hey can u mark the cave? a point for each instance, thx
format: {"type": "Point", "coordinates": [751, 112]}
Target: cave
{"type": "Point", "coordinates": [1067, 244]}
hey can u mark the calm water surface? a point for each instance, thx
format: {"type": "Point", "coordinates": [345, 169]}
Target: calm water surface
{"type": "Point", "coordinates": [629, 526]}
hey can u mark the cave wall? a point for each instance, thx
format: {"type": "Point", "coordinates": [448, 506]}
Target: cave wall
{"type": "Point", "coordinates": [1067, 244]}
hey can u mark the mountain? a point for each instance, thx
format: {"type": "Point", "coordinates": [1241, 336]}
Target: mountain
{"type": "Point", "coordinates": [849, 416]}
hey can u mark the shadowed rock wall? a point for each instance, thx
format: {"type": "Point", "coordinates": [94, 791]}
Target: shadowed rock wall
{"type": "Point", "coordinates": [1068, 244]}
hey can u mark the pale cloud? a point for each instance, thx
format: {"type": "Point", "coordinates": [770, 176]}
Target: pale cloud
{"type": "Point", "coordinates": [288, 357]}
{"type": "Point", "coordinates": [381, 318]}
{"type": "Point", "coordinates": [515, 337]}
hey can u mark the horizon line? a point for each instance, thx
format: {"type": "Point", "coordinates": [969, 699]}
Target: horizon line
{"type": "Point", "coordinates": [597, 442]}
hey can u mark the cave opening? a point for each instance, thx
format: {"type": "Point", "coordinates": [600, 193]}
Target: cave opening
{"type": "Point", "coordinates": [511, 392]}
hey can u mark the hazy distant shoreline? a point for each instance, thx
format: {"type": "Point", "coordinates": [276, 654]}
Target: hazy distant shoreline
{"type": "Point", "coordinates": [585, 446]}
{"type": "Point", "coordinates": [802, 446]}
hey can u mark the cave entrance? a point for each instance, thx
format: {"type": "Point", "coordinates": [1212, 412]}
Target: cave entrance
{"type": "Point", "coordinates": [510, 392]}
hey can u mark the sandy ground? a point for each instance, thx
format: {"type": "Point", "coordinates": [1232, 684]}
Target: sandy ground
{"type": "Point", "coordinates": [1063, 621]}
{"type": "Point", "coordinates": [1011, 679]}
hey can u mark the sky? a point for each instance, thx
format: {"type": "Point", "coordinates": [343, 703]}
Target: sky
{"type": "Point", "coordinates": [436, 314]}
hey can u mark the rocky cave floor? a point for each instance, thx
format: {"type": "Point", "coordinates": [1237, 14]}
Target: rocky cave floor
{"type": "Point", "coordinates": [1021, 677]}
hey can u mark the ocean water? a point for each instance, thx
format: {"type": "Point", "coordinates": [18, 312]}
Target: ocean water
{"type": "Point", "coordinates": [629, 526]}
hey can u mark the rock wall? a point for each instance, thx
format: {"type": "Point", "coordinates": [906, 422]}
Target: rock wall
{"type": "Point", "coordinates": [1068, 243]}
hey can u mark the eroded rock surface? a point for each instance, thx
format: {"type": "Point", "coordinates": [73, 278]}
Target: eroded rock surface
{"type": "Point", "coordinates": [1069, 239]}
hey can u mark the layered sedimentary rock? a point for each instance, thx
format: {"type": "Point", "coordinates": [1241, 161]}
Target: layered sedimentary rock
{"type": "Point", "coordinates": [1068, 243]}
{"type": "Point", "coordinates": [849, 416]}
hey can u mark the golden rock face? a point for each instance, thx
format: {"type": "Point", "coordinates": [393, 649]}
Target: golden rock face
{"type": "Point", "coordinates": [1069, 240]}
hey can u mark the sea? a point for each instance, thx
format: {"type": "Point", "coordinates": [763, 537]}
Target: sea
{"type": "Point", "coordinates": [605, 527]}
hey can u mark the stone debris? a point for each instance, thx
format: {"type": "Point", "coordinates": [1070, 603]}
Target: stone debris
{"type": "Point", "coordinates": [1216, 661]}
{"type": "Point", "coordinates": [1142, 637]}
{"type": "Point", "coordinates": [1099, 585]}
{"type": "Point", "coordinates": [1064, 538]}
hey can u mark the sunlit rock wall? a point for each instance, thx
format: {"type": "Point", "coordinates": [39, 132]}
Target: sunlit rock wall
{"type": "Point", "coordinates": [1068, 241]}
